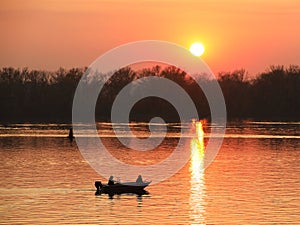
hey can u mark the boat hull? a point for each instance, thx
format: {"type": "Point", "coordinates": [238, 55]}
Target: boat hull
{"type": "Point", "coordinates": [120, 188]}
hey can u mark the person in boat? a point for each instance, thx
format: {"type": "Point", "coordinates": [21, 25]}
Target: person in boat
{"type": "Point", "coordinates": [111, 180]}
{"type": "Point", "coordinates": [139, 179]}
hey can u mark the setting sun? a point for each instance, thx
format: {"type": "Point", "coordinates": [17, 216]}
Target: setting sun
{"type": "Point", "coordinates": [197, 49]}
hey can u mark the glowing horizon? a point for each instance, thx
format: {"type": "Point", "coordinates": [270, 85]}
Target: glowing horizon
{"type": "Point", "coordinates": [52, 34]}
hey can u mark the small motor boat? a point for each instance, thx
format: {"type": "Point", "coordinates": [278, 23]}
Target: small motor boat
{"type": "Point", "coordinates": [120, 188]}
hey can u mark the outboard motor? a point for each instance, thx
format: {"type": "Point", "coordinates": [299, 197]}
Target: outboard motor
{"type": "Point", "coordinates": [98, 185]}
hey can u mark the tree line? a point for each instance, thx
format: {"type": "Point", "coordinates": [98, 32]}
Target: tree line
{"type": "Point", "coordinates": [43, 96]}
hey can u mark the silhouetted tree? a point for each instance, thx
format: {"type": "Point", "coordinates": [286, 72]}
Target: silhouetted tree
{"type": "Point", "coordinates": [236, 91]}
{"type": "Point", "coordinates": [276, 93]}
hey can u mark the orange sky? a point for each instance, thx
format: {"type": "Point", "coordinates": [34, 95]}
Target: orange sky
{"type": "Point", "coordinates": [47, 34]}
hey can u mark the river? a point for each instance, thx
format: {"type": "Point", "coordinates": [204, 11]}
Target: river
{"type": "Point", "coordinates": [255, 177]}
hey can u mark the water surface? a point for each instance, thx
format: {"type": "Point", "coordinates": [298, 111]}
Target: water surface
{"type": "Point", "coordinates": [255, 178]}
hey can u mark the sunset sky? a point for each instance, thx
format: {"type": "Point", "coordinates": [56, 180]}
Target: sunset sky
{"type": "Point", "coordinates": [48, 34]}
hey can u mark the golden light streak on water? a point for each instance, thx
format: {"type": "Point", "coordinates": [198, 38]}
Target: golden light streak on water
{"type": "Point", "coordinates": [199, 131]}
{"type": "Point", "coordinates": [197, 193]}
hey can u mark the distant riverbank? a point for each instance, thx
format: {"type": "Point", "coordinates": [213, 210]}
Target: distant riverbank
{"type": "Point", "coordinates": [41, 96]}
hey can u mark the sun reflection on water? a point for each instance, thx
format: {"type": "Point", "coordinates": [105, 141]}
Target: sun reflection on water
{"type": "Point", "coordinates": [197, 206]}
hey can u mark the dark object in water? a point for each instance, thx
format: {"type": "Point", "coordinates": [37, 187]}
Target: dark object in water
{"type": "Point", "coordinates": [121, 188]}
{"type": "Point", "coordinates": [71, 136]}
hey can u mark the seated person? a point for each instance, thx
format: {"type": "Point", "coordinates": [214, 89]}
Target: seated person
{"type": "Point", "coordinates": [111, 180]}
{"type": "Point", "coordinates": [139, 180]}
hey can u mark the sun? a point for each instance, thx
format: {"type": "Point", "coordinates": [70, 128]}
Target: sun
{"type": "Point", "coordinates": [197, 49]}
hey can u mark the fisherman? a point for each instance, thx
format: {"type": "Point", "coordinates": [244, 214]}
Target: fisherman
{"type": "Point", "coordinates": [111, 180]}
{"type": "Point", "coordinates": [139, 179]}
